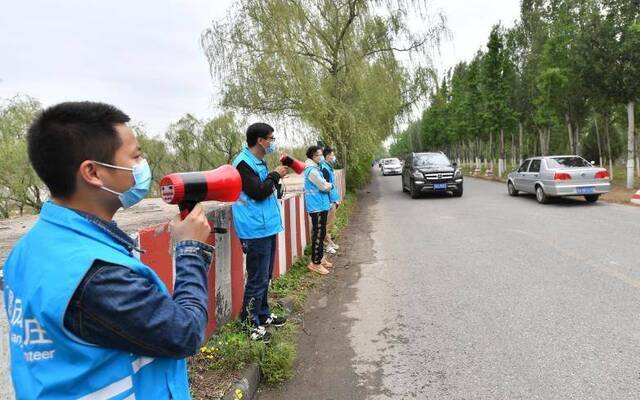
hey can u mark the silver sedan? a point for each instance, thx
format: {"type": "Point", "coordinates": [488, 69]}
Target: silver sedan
{"type": "Point", "coordinates": [556, 176]}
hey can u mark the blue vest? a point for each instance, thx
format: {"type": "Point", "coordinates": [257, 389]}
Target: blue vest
{"type": "Point", "coordinates": [334, 196]}
{"type": "Point", "coordinates": [315, 200]}
{"type": "Point", "coordinates": [47, 361]}
{"type": "Point", "coordinates": [256, 219]}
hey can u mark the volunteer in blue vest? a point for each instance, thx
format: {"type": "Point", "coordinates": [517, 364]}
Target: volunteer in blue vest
{"type": "Point", "coordinates": [87, 318]}
{"type": "Point", "coordinates": [327, 164]}
{"type": "Point", "coordinates": [316, 196]}
{"type": "Point", "coordinates": [257, 219]}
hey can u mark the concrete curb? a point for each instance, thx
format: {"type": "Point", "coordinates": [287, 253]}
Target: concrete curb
{"type": "Point", "coordinates": [246, 386]}
{"type": "Point", "coordinates": [288, 303]}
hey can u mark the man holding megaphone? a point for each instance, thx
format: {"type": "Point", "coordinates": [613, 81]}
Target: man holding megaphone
{"type": "Point", "coordinates": [87, 318]}
{"type": "Point", "coordinates": [257, 220]}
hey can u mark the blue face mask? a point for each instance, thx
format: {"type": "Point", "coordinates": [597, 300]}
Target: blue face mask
{"type": "Point", "coordinates": [142, 178]}
{"type": "Point", "coordinates": [271, 149]}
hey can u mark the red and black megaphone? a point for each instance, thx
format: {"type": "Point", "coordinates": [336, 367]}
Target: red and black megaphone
{"type": "Point", "coordinates": [292, 163]}
{"type": "Point", "coordinates": [189, 188]}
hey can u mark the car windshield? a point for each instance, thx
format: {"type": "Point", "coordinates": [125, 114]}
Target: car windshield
{"type": "Point", "coordinates": [431, 160]}
{"type": "Point", "coordinates": [567, 162]}
{"type": "Point", "coordinates": [393, 161]}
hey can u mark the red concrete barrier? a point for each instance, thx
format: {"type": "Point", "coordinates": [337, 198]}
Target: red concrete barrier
{"type": "Point", "coordinates": [227, 272]}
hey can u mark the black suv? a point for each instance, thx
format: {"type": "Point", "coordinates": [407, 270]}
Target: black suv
{"type": "Point", "coordinates": [431, 173]}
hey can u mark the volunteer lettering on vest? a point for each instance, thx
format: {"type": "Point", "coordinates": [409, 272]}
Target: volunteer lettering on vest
{"type": "Point", "coordinates": [87, 318]}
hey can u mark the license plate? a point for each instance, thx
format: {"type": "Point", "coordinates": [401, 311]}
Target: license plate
{"type": "Point", "coordinates": [585, 190]}
{"type": "Point", "coordinates": [440, 186]}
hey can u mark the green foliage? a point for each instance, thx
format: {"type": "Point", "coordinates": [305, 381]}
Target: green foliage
{"type": "Point", "coordinates": [566, 68]}
{"type": "Point", "coordinates": [230, 349]}
{"type": "Point", "coordinates": [276, 363]}
{"type": "Point", "coordinates": [20, 187]}
{"type": "Point", "coordinates": [332, 65]}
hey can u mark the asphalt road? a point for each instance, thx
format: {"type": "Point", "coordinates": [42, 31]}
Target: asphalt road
{"type": "Point", "coordinates": [482, 297]}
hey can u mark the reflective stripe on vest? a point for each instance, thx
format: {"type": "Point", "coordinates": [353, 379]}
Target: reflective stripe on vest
{"type": "Point", "coordinates": [47, 361]}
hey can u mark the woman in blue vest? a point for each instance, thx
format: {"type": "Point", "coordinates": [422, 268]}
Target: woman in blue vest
{"type": "Point", "coordinates": [316, 196]}
{"type": "Point", "coordinates": [87, 318]}
{"type": "Point", "coordinates": [329, 160]}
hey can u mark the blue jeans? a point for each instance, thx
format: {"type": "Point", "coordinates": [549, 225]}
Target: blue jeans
{"type": "Point", "coordinates": [260, 258]}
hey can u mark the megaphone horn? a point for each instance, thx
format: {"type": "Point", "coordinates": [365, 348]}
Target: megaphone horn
{"type": "Point", "coordinates": [288, 161]}
{"type": "Point", "coordinates": [189, 188]}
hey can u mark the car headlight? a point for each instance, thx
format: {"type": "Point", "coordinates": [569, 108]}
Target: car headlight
{"type": "Point", "coordinates": [418, 175]}
{"type": "Point", "coordinates": [458, 173]}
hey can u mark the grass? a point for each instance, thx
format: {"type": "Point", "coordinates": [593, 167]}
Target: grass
{"type": "Point", "coordinates": [230, 350]}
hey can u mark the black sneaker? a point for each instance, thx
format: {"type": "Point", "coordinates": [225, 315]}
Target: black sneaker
{"type": "Point", "coordinates": [275, 320]}
{"type": "Point", "coordinates": [260, 334]}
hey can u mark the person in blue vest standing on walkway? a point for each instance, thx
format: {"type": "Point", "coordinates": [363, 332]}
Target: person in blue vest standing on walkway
{"type": "Point", "coordinates": [327, 164]}
{"type": "Point", "coordinates": [316, 196]}
{"type": "Point", "coordinates": [87, 318]}
{"type": "Point", "coordinates": [257, 219]}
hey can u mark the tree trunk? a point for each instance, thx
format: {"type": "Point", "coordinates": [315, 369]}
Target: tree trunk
{"type": "Point", "coordinates": [635, 150]}
{"type": "Point", "coordinates": [608, 142]}
{"type": "Point", "coordinates": [595, 120]}
{"type": "Point", "coordinates": [630, 144]}
{"type": "Point", "coordinates": [545, 135]}
{"type": "Point", "coordinates": [520, 148]}
{"type": "Point", "coordinates": [567, 120]}
{"type": "Point", "coordinates": [502, 154]}
{"type": "Point", "coordinates": [578, 139]}
{"type": "Point", "coordinates": [513, 148]}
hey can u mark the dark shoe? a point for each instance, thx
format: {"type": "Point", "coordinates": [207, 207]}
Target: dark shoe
{"type": "Point", "coordinates": [275, 320]}
{"type": "Point", "coordinates": [260, 334]}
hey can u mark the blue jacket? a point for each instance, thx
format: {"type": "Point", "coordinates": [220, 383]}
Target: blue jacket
{"type": "Point", "coordinates": [136, 308]}
{"type": "Point", "coordinates": [47, 360]}
{"type": "Point", "coordinates": [256, 219]}
{"type": "Point", "coordinates": [315, 199]}
{"type": "Point", "coordinates": [334, 196]}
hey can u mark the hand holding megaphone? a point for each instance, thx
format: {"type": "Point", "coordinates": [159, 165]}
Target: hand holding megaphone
{"type": "Point", "coordinates": [194, 226]}
{"type": "Point", "coordinates": [292, 163]}
{"type": "Point", "coordinates": [189, 188]}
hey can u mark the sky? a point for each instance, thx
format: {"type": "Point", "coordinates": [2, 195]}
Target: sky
{"type": "Point", "coordinates": [145, 57]}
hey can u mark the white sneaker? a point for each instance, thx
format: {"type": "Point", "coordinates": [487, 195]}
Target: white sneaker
{"type": "Point", "coordinates": [330, 250]}
{"type": "Point", "coordinates": [335, 246]}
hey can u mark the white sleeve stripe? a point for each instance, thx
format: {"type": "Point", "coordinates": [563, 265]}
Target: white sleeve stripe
{"type": "Point", "coordinates": [141, 362]}
{"type": "Point", "coordinates": [111, 390]}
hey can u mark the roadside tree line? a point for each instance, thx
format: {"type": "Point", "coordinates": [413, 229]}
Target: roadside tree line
{"type": "Point", "coordinates": [564, 79]}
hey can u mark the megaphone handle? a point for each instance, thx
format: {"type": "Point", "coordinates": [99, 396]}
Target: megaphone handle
{"type": "Point", "coordinates": [185, 208]}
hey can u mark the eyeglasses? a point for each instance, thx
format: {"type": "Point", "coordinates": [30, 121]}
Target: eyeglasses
{"type": "Point", "coordinates": [270, 139]}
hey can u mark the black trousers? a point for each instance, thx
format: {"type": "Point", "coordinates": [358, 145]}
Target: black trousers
{"type": "Point", "coordinates": [318, 232]}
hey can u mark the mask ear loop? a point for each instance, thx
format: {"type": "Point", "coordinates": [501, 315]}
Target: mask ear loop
{"type": "Point", "coordinates": [113, 166]}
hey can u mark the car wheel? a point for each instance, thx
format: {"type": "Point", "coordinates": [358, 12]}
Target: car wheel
{"type": "Point", "coordinates": [512, 189]}
{"type": "Point", "coordinates": [458, 193]}
{"type": "Point", "coordinates": [592, 198]}
{"type": "Point", "coordinates": [541, 196]}
{"type": "Point", "coordinates": [414, 192]}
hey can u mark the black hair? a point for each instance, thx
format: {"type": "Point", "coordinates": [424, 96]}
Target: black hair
{"type": "Point", "coordinates": [257, 130]}
{"type": "Point", "coordinates": [327, 150]}
{"type": "Point", "coordinates": [65, 135]}
{"type": "Point", "coordinates": [311, 151]}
